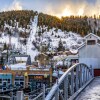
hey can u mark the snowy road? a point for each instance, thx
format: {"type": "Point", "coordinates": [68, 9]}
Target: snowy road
{"type": "Point", "coordinates": [92, 92]}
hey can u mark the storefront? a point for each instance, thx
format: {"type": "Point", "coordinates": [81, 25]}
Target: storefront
{"type": "Point", "coordinates": [19, 80]}
{"type": "Point", "coordinates": [37, 80]}
{"type": "Point", "coordinates": [5, 81]}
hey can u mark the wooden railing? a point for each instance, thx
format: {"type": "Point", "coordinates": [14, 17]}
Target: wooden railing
{"type": "Point", "coordinates": [70, 83]}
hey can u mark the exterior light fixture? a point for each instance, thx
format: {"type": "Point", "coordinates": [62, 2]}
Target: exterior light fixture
{"type": "Point", "coordinates": [25, 74]}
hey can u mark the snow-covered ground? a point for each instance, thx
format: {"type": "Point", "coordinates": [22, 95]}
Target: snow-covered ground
{"type": "Point", "coordinates": [5, 39]}
{"type": "Point", "coordinates": [71, 41]}
{"type": "Point", "coordinates": [15, 40]}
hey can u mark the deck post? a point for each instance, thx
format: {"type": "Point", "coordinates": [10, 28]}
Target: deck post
{"type": "Point", "coordinates": [77, 81]}
{"type": "Point", "coordinates": [11, 96]}
{"type": "Point", "coordinates": [80, 76]}
{"type": "Point", "coordinates": [43, 91]}
{"type": "Point", "coordinates": [66, 88]}
{"type": "Point", "coordinates": [72, 81]}
{"type": "Point", "coordinates": [20, 95]}
{"type": "Point", "coordinates": [89, 71]}
{"type": "Point", "coordinates": [92, 74]}
{"type": "Point", "coordinates": [86, 75]}
{"type": "Point", "coordinates": [83, 75]}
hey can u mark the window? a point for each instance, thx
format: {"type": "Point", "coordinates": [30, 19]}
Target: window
{"type": "Point", "coordinates": [91, 42]}
{"type": "Point", "coordinates": [4, 88]}
{"type": "Point", "coordinates": [4, 83]}
{"type": "Point", "coordinates": [16, 79]}
{"type": "Point", "coordinates": [16, 83]}
{"type": "Point", "coordinates": [99, 41]}
{"type": "Point", "coordinates": [4, 79]}
{"type": "Point", "coordinates": [21, 78]}
{"type": "Point", "coordinates": [8, 80]}
{"type": "Point", "coordinates": [0, 81]}
{"type": "Point", "coordinates": [22, 83]}
{"type": "Point", "coordinates": [0, 86]}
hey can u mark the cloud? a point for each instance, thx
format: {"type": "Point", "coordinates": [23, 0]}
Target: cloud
{"type": "Point", "coordinates": [78, 7]}
{"type": "Point", "coordinates": [64, 7]}
{"type": "Point", "coordinates": [58, 7]}
{"type": "Point", "coordinates": [15, 5]}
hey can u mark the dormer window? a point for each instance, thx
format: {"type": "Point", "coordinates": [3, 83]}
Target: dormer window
{"type": "Point", "coordinates": [91, 42]}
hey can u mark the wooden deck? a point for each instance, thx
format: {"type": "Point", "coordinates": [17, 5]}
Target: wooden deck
{"type": "Point", "coordinates": [91, 92]}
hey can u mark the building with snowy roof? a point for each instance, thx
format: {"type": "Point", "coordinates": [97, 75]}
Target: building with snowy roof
{"type": "Point", "coordinates": [22, 59]}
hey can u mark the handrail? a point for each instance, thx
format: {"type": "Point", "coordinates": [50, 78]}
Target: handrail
{"type": "Point", "coordinates": [55, 88]}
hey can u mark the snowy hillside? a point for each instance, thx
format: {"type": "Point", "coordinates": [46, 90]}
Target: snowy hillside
{"type": "Point", "coordinates": [41, 37]}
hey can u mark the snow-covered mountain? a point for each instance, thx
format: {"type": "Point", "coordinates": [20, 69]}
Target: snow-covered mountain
{"type": "Point", "coordinates": [42, 37]}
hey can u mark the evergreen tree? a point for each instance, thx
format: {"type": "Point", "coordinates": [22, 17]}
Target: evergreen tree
{"type": "Point", "coordinates": [60, 46]}
{"type": "Point", "coordinates": [28, 61]}
{"type": "Point", "coordinates": [39, 33]}
{"type": "Point", "coordinates": [1, 61]}
{"type": "Point", "coordinates": [5, 46]}
{"type": "Point", "coordinates": [52, 33]}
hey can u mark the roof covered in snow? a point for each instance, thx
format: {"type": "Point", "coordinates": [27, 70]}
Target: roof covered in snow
{"type": "Point", "coordinates": [19, 66]}
{"type": "Point", "coordinates": [91, 34]}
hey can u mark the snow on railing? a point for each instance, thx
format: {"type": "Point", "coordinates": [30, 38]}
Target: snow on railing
{"type": "Point", "coordinates": [70, 82]}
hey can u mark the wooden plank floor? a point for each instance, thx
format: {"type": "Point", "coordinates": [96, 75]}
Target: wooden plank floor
{"type": "Point", "coordinates": [91, 92]}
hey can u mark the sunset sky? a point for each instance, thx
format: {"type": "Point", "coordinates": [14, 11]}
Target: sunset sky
{"type": "Point", "coordinates": [54, 7]}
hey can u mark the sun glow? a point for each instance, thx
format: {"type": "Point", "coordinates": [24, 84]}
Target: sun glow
{"type": "Point", "coordinates": [80, 12]}
{"type": "Point", "coordinates": [65, 12]}
{"type": "Point", "coordinates": [68, 12]}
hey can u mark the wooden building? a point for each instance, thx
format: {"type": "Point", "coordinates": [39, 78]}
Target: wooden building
{"type": "Point", "coordinates": [89, 52]}
{"type": "Point", "coordinates": [23, 77]}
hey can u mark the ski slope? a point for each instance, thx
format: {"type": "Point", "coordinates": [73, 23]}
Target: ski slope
{"type": "Point", "coordinates": [30, 39]}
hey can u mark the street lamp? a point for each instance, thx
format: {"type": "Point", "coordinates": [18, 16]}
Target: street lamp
{"type": "Point", "coordinates": [26, 79]}
{"type": "Point", "coordinates": [45, 77]}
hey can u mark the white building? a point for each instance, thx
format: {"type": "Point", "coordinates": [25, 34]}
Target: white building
{"type": "Point", "coordinates": [89, 52]}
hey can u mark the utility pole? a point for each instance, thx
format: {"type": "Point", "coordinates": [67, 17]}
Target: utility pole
{"type": "Point", "coordinates": [7, 53]}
